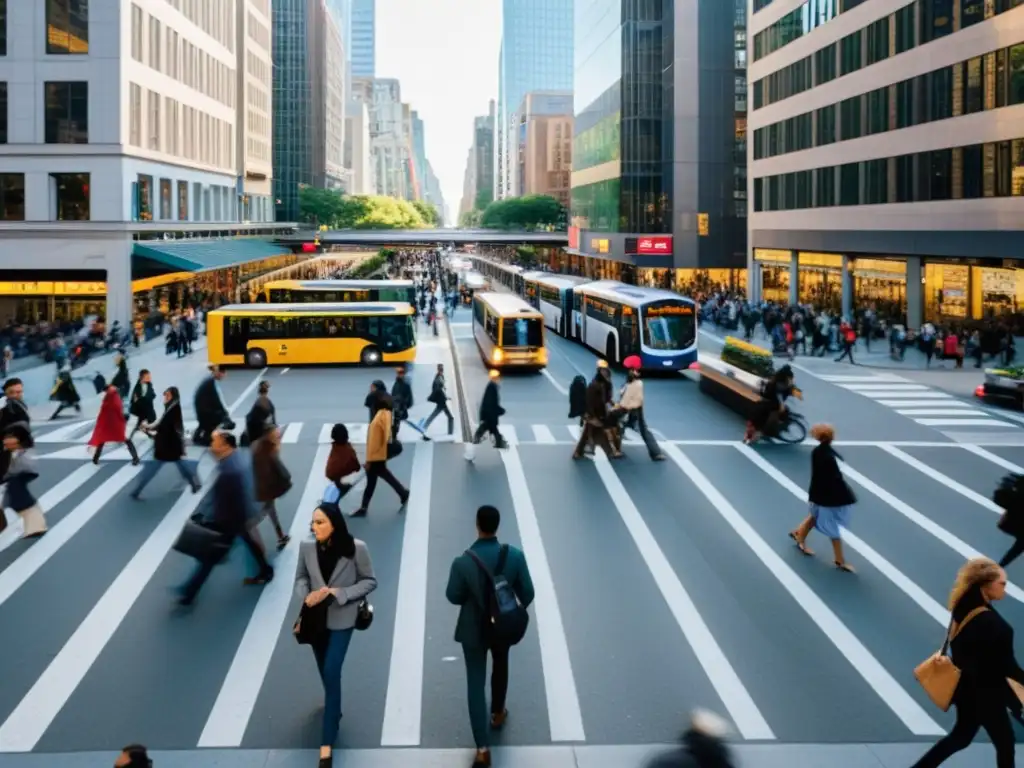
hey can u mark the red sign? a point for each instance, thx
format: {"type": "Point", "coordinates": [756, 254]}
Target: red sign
{"type": "Point", "coordinates": [654, 245]}
{"type": "Point", "coordinates": [574, 238]}
{"type": "Point", "coordinates": [309, 247]}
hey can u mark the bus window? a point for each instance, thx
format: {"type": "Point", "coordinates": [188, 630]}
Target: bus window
{"type": "Point", "coordinates": [396, 332]}
{"type": "Point", "coordinates": [521, 332]}
{"type": "Point", "coordinates": [669, 327]}
{"type": "Point", "coordinates": [491, 326]}
{"type": "Point", "coordinates": [236, 333]}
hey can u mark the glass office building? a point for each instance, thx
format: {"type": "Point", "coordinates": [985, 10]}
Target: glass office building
{"type": "Point", "coordinates": [361, 42]}
{"type": "Point", "coordinates": [659, 153]}
{"type": "Point", "coordinates": [536, 55]}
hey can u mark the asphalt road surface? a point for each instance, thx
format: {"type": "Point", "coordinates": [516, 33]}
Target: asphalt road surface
{"type": "Point", "coordinates": [660, 586]}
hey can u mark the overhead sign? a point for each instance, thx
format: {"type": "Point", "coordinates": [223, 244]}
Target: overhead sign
{"type": "Point", "coordinates": [600, 245]}
{"type": "Point", "coordinates": [574, 238]}
{"type": "Point", "coordinates": [654, 245]}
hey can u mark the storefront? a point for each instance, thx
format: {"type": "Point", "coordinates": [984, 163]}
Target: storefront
{"type": "Point", "coordinates": [773, 275]}
{"type": "Point", "coordinates": [820, 280]}
{"type": "Point", "coordinates": [969, 289]}
{"type": "Point", "coordinates": [36, 301]}
{"type": "Point", "coordinates": [694, 282]}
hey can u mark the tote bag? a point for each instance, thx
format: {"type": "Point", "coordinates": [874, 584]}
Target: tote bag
{"type": "Point", "coordinates": [937, 674]}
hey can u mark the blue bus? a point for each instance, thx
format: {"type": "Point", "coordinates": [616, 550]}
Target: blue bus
{"type": "Point", "coordinates": [617, 320]}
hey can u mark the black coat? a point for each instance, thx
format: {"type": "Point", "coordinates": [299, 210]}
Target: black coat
{"type": "Point", "coordinates": [490, 405]}
{"type": "Point", "coordinates": [828, 486]}
{"type": "Point", "coordinates": [210, 412]}
{"type": "Point", "coordinates": [260, 418]}
{"type": "Point", "coordinates": [169, 438]}
{"type": "Point", "coordinates": [983, 652]}
{"type": "Point", "coordinates": [141, 406]}
{"type": "Point", "coordinates": [401, 395]}
{"type": "Point", "coordinates": [122, 381]}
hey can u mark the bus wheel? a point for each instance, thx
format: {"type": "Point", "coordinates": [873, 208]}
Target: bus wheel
{"type": "Point", "coordinates": [256, 358]}
{"type": "Point", "coordinates": [370, 356]}
{"type": "Point", "coordinates": [609, 351]}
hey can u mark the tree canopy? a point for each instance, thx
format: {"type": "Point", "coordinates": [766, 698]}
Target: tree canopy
{"type": "Point", "coordinates": [429, 213]}
{"type": "Point", "coordinates": [470, 219]}
{"type": "Point", "coordinates": [527, 212]}
{"type": "Point", "coordinates": [331, 208]}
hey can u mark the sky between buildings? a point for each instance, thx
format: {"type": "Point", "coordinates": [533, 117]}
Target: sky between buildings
{"type": "Point", "coordinates": [445, 53]}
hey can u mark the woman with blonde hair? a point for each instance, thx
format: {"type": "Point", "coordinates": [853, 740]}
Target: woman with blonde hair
{"type": "Point", "coordinates": [982, 649]}
{"type": "Point", "coordinates": [829, 497]}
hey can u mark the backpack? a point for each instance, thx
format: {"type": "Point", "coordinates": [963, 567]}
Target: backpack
{"type": "Point", "coordinates": [506, 619]}
{"type": "Point", "coordinates": [577, 397]}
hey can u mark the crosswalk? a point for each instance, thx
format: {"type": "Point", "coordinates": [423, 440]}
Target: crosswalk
{"type": "Point", "coordinates": [659, 587]}
{"type": "Point", "coordinates": [928, 407]}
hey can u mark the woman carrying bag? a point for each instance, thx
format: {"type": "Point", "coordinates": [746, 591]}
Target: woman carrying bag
{"type": "Point", "coordinates": [379, 449]}
{"type": "Point", "coordinates": [273, 480]}
{"type": "Point", "coordinates": [22, 471]}
{"type": "Point", "coordinates": [168, 446]}
{"type": "Point", "coordinates": [333, 577]}
{"type": "Point", "coordinates": [978, 679]}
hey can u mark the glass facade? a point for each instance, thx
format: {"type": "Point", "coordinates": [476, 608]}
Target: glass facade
{"type": "Point", "coordinates": [536, 55]}
{"type": "Point", "coordinates": [623, 126]}
{"type": "Point", "coordinates": [363, 51]}
{"type": "Point", "coordinates": [292, 115]}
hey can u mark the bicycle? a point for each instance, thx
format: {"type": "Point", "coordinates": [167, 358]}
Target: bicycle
{"type": "Point", "coordinates": [792, 429]}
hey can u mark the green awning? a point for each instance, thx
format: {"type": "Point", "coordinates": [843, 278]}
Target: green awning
{"type": "Point", "coordinates": [203, 255]}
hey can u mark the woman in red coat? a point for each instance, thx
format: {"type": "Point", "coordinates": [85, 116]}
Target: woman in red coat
{"type": "Point", "coordinates": [110, 426]}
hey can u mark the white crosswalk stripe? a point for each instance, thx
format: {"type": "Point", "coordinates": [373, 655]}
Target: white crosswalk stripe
{"type": "Point", "coordinates": [903, 395]}
{"type": "Point", "coordinates": [649, 537]}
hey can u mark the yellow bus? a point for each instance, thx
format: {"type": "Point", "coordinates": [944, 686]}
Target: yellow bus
{"type": "Point", "coordinates": [508, 331]}
{"type": "Point", "coordinates": [258, 335]}
{"type": "Point", "coordinates": [344, 291]}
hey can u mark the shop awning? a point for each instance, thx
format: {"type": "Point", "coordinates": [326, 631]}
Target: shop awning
{"type": "Point", "coordinates": [203, 255]}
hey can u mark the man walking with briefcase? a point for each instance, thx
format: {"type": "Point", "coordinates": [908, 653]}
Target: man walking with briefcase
{"type": "Point", "coordinates": [491, 583]}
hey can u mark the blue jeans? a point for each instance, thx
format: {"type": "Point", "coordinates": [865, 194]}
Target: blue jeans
{"type": "Point", "coordinates": [329, 660]}
{"type": "Point", "coordinates": [151, 468]}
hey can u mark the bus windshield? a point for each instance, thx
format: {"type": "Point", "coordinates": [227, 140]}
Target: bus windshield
{"type": "Point", "coordinates": [397, 333]}
{"type": "Point", "coordinates": [522, 332]}
{"type": "Point", "coordinates": [669, 326]}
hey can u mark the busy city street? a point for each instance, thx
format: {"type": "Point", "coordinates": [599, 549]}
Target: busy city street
{"type": "Point", "coordinates": [660, 586]}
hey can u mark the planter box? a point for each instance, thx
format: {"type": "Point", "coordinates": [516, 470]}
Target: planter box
{"type": "Point", "coordinates": [735, 389]}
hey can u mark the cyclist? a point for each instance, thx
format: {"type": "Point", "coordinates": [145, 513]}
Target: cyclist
{"type": "Point", "coordinates": [772, 409]}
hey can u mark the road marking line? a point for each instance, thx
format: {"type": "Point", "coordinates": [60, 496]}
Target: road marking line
{"type": "Point", "coordinates": [325, 434]}
{"type": "Point", "coordinates": [554, 382]}
{"type": "Point", "coordinates": [31, 560]}
{"type": "Point", "coordinates": [542, 434]}
{"type": "Point", "coordinates": [509, 433]}
{"type": "Point", "coordinates": [942, 479]}
{"type": "Point", "coordinates": [737, 700]}
{"type": "Point", "coordinates": [927, 395]}
{"type": "Point", "coordinates": [66, 434]}
{"type": "Point", "coordinates": [229, 718]}
{"type": "Point", "coordinates": [575, 430]}
{"type": "Point", "coordinates": [564, 715]}
{"type": "Point", "coordinates": [876, 388]}
{"type": "Point", "coordinates": [865, 379]}
{"type": "Point", "coordinates": [35, 713]}
{"type": "Point", "coordinates": [1003, 414]}
{"type": "Point", "coordinates": [51, 499]}
{"type": "Point", "coordinates": [931, 402]}
{"type": "Point", "coordinates": [999, 461]}
{"type": "Point", "coordinates": [958, 545]}
{"type": "Point", "coordinates": [247, 391]}
{"type": "Point", "coordinates": [930, 606]}
{"type": "Point", "coordinates": [283, 372]}
{"type": "Point", "coordinates": [965, 423]}
{"type": "Point", "coordinates": [403, 704]}
{"type": "Point", "coordinates": [967, 411]}
{"type": "Point", "coordinates": [899, 701]}
{"type": "Point", "coordinates": [291, 432]}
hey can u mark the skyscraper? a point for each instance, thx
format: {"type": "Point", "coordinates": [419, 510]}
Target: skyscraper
{"type": "Point", "coordinates": [363, 26]}
{"type": "Point", "coordinates": [659, 158]}
{"type": "Point", "coordinates": [536, 55]}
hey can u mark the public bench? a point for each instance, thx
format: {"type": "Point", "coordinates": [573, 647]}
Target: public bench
{"type": "Point", "coordinates": [734, 388]}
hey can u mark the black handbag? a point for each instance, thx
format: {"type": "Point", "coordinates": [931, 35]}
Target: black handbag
{"type": "Point", "coordinates": [395, 449]}
{"type": "Point", "coordinates": [202, 543]}
{"type": "Point", "coordinates": [364, 615]}
{"type": "Point", "coordinates": [310, 627]}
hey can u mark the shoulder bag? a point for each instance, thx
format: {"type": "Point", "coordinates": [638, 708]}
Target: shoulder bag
{"type": "Point", "coordinates": [310, 627]}
{"type": "Point", "coordinates": [937, 674]}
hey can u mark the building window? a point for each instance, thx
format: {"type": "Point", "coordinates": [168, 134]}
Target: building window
{"type": "Point", "coordinates": [182, 201]}
{"type": "Point", "coordinates": [850, 118]}
{"type": "Point", "coordinates": [878, 111]}
{"type": "Point", "coordinates": [71, 195]}
{"type": "Point", "coordinates": [936, 19]}
{"type": "Point", "coordinates": [153, 120]}
{"type": "Point", "coordinates": [3, 27]}
{"type": "Point", "coordinates": [3, 111]}
{"type": "Point", "coordinates": [971, 12]}
{"type": "Point", "coordinates": [826, 125]}
{"type": "Point", "coordinates": [850, 53]}
{"type": "Point", "coordinates": [878, 41]}
{"type": "Point", "coordinates": [825, 187]}
{"type": "Point", "coordinates": [1016, 59]}
{"type": "Point", "coordinates": [12, 196]}
{"type": "Point", "coordinates": [144, 198]}
{"type": "Point", "coordinates": [825, 64]}
{"type": "Point", "coordinates": [134, 115]}
{"type": "Point", "coordinates": [849, 184]}
{"type": "Point", "coordinates": [67, 113]}
{"type": "Point", "coordinates": [165, 199]}
{"type": "Point", "coordinates": [904, 34]}
{"type": "Point", "coordinates": [137, 33]}
{"type": "Point", "coordinates": [67, 26]}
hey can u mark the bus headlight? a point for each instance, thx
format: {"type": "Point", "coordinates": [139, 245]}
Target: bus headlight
{"type": "Point", "coordinates": [542, 355]}
{"type": "Point", "coordinates": [497, 356]}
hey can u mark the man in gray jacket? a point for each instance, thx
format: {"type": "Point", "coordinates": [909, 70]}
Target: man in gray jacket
{"type": "Point", "coordinates": [468, 588]}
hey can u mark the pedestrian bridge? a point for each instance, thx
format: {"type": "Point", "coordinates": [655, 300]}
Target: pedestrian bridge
{"type": "Point", "coordinates": [382, 238]}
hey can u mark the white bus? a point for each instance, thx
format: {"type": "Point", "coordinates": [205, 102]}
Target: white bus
{"type": "Point", "coordinates": [552, 295]}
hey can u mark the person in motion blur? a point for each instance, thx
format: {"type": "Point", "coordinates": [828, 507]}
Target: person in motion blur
{"type": "Point", "coordinates": [227, 511]}
{"type": "Point", "coordinates": [701, 746]}
{"type": "Point", "coordinates": [379, 448]}
{"type": "Point", "coordinates": [262, 417]}
{"type": "Point", "coordinates": [595, 420]}
{"type": "Point", "coordinates": [371, 402]}
{"type": "Point", "coordinates": [168, 445]}
{"type": "Point", "coordinates": [829, 497]}
{"type": "Point", "coordinates": [1010, 496]}
{"type": "Point", "coordinates": [472, 585]}
{"type": "Point", "coordinates": [210, 410]}
{"type": "Point", "coordinates": [65, 393]}
{"type": "Point", "coordinates": [133, 756]}
{"type": "Point", "coordinates": [334, 568]}
{"type": "Point", "coordinates": [141, 405]}
{"type": "Point", "coordinates": [22, 471]}
{"type": "Point", "coordinates": [982, 649]}
{"type": "Point", "coordinates": [439, 397]}
{"type": "Point", "coordinates": [342, 462]}
{"type": "Point", "coordinates": [122, 380]}
{"type": "Point", "coordinates": [110, 427]}
{"type": "Point", "coordinates": [491, 411]}
{"type": "Point", "coordinates": [772, 408]}
{"type": "Point", "coordinates": [631, 401]}
{"type": "Point", "coordinates": [401, 396]}
{"type": "Point", "coordinates": [273, 480]}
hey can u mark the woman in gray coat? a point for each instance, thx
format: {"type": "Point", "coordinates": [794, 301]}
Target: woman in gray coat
{"type": "Point", "coordinates": [337, 568]}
